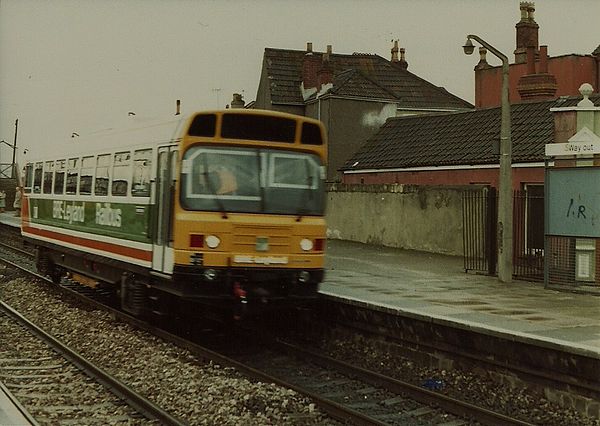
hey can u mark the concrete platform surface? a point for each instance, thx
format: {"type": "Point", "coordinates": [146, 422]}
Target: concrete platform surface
{"type": "Point", "coordinates": [11, 413]}
{"type": "Point", "coordinates": [435, 287]}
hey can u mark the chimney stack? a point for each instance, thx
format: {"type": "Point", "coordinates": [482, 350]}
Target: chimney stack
{"type": "Point", "coordinates": [395, 52]}
{"type": "Point", "coordinates": [482, 64]}
{"type": "Point", "coordinates": [238, 101]}
{"type": "Point", "coordinates": [310, 67]}
{"type": "Point", "coordinates": [325, 73]}
{"type": "Point", "coordinates": [540, 85]}
{"type": "Point", "coordinates": [527, 32]}
{"type": "Point", "coordinates": [178, 107]}
{"type": "Point", "coordinates": [403, 64]}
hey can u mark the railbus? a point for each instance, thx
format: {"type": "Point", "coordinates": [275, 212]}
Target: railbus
{"type": "Point", "coordinates": [221, 211]}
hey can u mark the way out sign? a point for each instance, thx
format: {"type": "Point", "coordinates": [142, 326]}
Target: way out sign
{"type": "Point", "coordinates": [584, 142]}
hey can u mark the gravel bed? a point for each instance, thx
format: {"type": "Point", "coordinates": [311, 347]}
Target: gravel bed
{"type": "Point", "coordinates": [481, 389]}
{"type": "Point", "coordinates": [53, 390]}
{"type": "Point", "coordinates": [182, 384]}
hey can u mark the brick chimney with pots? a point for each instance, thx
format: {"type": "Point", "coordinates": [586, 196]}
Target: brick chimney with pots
{"type": "Point", "coordinates": [527, 32]}
{"type": "Point", "coordinates": [537, 85]}
{"type": "Point", "coordinates": [325, 73]}
{"type": "Point", "coordinates": [310, 67]}
{"type": "Point", "coordinates": [394, 51]}
{"type": "Point", "coordinates": [238, 101]}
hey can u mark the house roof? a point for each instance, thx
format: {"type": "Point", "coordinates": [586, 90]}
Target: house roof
{"type": "Point", "coordinates": [373, 77]}
{"type": "Point", "coordinates": [596, 52]}
{"type": "Point", "coordinates": [460, 138]}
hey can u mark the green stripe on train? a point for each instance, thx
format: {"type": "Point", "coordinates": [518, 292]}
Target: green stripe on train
{"type": "Point", "coordinates": [118, 220]}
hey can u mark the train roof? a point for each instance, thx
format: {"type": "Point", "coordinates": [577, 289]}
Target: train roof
{"type": "Point", "coordinates": [139, 132]}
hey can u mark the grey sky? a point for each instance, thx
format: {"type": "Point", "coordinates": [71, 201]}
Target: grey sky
{"type": "Point", "coordinates": [80, 66]}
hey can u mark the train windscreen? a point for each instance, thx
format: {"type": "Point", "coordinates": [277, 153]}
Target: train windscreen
{"type": "Point", "coordinates": [252, 180]}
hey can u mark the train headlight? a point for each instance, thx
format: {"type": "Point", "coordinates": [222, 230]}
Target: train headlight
{"type": "Point", "coordinates": [306, 244]}
{"type": "Point", "coordinates": [210, 274]}
{"type": "Point", "coordinates": [212, 241]}
{"type": "Point", "coordinates": [303, 276]}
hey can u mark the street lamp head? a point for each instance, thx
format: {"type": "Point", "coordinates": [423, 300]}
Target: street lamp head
{"type": "Point", "coordinates": [469, 48]}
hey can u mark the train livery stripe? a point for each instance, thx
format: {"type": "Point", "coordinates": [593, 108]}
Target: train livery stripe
{"type": "Point", "coordinates": [121, 221]}
{"type": "Point", "coordinates": [115, 251]}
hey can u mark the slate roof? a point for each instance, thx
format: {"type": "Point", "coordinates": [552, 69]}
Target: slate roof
{"type": "Point", "coordinates": [461, 138]}
{"type": "Point", "coordinates": [371, 72]}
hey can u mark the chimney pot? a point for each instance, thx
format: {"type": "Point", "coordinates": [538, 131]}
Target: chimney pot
{"type": "Point", "coordinates": [395, 52]}
{"type": "Point", "coordinates": [482, 59]}
{"type": "Point", "coordinates": [178, 107]}
{"type": "Point", "coordinates": [329, 49]}
{"type": "Point", "coordinates": [308, 47]}
{"type": "Point", "coordinates": [403, 64]}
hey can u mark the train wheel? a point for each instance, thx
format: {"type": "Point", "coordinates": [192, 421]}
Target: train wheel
{"type": "Point", "coordinates": [45, 266]}
{"type": "Point", "coordinates": [134, 295]}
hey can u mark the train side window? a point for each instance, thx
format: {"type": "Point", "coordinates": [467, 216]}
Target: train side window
{"type": "Point", "coordinates": [142, 161]}
{"type": "Point", "coordinates": [28, 178]}
{"type": "Point", "coordinates": [37, 178]}
{"type": "Point", "coordinates": [59, 176]}
{"type": "Point", "coordinates": [86, 175]}
{"type": "Point", "coordinates": [48, 175]}
{"type": "Point", "coordinates": [72, 176]}
{"type": "Point", "coordinates": [101, 182]}
{"type": "Point", "coordinates": [121, 173]}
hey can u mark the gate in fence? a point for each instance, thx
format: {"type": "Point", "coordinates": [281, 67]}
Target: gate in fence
{"type": "Point", "coordinates": [480, 212]}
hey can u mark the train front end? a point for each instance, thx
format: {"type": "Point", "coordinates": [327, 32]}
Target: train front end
{"type": "Point", "coordinates": [249, 226]}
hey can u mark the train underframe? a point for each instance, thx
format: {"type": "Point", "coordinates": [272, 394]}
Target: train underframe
{"type": "Point", "coordinates": [217, 293]}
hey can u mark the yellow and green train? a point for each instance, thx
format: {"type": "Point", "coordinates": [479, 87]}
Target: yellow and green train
{"type": "Point", "coordinates": [218, 210]}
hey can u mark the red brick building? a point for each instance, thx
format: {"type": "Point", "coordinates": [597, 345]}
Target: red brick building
{"type": "Point", "coordinates": [462, 148]}
{"type": "Point", "coordinates": [535, 75]}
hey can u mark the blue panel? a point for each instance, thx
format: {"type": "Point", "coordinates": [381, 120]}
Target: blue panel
{"type": "Point", "coordinates": [574, 202]}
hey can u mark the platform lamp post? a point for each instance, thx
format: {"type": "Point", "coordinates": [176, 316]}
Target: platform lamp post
{"type": "Point", "coordinates": [505, 194]}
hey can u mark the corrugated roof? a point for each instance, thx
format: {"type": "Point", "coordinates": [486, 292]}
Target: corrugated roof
{"type": "Point", "coordinates": [461, 138]}
{"type": "Point", "coordinates": [284, 69]}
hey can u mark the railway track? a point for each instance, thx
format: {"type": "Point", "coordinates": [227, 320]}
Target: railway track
{"type": "Point", "coordinates": [54, 383]}
{"type": "Point", "coordinates": [346, 393]}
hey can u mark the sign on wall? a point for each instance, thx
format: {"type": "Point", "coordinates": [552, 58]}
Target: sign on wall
{"type": "Point", "coordinates": [574, 202]}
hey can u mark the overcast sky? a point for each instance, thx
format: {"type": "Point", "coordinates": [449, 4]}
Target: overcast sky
{"type": "Point", "coordinates": [80, 66]}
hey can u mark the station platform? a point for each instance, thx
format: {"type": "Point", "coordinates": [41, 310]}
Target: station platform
{"type": "Point", "coordinates": [435, 288]}
{"type": "Point", "coordinates": [9, 218]}
{"type": "Point", "coordinates": [11, 412]}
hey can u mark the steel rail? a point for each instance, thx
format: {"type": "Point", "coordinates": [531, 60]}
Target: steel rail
{"type": "Point", "coordinates": [333, 409]}
{"type": "Point", "coordinates": [425, 396]}
{"type": "Point", "coordinates": [141, 404]}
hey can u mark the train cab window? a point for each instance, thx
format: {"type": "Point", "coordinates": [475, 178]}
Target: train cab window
{"type": "Point", "coordinates": [72, 176]}
{"type": "Point", "coordinates": [311, 134]}
{"type": "Point", "coordinates": [59, 176]}
{"type": "Point", "coordinates": [48, 175]}
{"type": "Point", "coordinates": [86, 175]}
{"type": "Point", "coordinates": [37, 178]}
{"type": "Point", "coordinates": [142, 160]}
{"type": "Point", "coordinates": [121, 173]}
{"type": "Point", "coordinates": [101, 182]}
{"type": "Point", "coordinates": [28, 178]}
